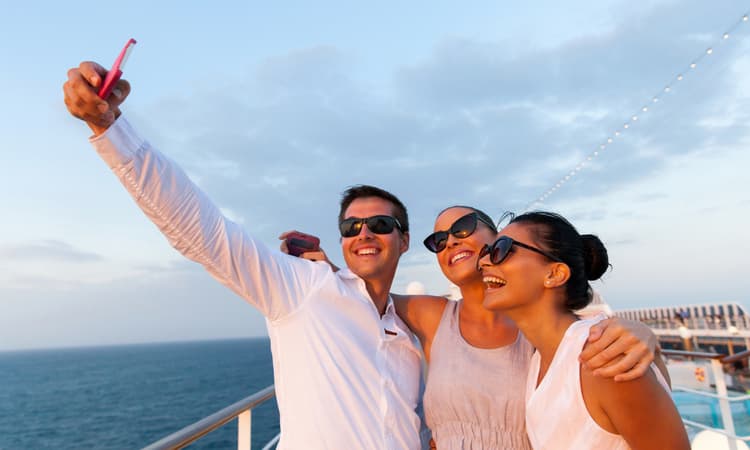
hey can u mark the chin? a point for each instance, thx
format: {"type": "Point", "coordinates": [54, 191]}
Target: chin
{"type": "Point", "coordinates": [493, 303]}
{"type": "Point", "coordinates": [363, 273]}
{"type": "Point", "coordinates": [462, 276]}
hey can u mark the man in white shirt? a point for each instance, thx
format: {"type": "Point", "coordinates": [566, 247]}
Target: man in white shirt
{"type": "Point", "coordinates": [346, 369]}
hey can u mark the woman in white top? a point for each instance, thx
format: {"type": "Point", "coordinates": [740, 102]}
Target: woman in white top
{"type": "Point", "coordinates": [537, 273]}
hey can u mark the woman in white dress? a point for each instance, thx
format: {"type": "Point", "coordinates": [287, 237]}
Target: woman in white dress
{"type": "Point", "coordinates": [537, 273]}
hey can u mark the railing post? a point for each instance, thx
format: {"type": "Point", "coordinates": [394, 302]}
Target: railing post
{"type": "Point", "coordinates": [244, 430]}
{"type": "Point", "coordinates": [726, 410]}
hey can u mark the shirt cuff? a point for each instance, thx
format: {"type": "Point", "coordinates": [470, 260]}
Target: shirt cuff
{"type": "Point", "coordinates": [118, 145]}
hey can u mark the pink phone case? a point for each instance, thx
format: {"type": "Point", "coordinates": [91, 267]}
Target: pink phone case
{"type": "Point", "coordinates": [115, 72]}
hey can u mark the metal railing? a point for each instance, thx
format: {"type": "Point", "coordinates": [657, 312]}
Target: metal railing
{"type": "Point", "coordinates": [242, 411]}
{"type": "Point", "coordinates": [734, 325]}
{"type": "Point", "coordinates": [721, 395]}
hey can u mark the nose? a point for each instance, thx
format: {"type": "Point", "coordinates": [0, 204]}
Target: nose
{"type": "Point", "coordinates": [365, 231]}
{"type": "Point", "coordinates": [452, 241]}
{"type": "Point", "coordinates": [484, 261]}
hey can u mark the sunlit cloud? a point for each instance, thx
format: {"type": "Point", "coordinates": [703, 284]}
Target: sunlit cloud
{"type": "Point", "coordinates": [47, 250]}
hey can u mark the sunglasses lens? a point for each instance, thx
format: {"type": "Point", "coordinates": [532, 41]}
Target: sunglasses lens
{"type": "Point", "coordinates": [464, 226]}
{"type": "Point", "coordinates": [381, 224]}
{"type": "Point", "coordinates": [350, 227]}
{"type": "Point", "coordinates": [436, 241]}
{"type": "Point", "coordinates": [377, 224]}
{"type": "Point", "coordinates": [500, 250]}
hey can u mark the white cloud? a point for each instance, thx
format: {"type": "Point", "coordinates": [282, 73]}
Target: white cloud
{"type": "Point", "coordinates": [45, 250]}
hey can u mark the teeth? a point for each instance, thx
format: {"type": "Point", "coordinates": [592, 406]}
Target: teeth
{"type": "Point", "coordinates": [460, 256]}
{"type": "Point", "coordinates": [366, 251]}
{"type": "Point", "coordinates": [493, 281]}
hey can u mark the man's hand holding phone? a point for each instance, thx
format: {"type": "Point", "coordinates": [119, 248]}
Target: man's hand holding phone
{"type": "Point", "coordinates": [82, 89]}
{"type": "Point", "coordinates": [305, 246]}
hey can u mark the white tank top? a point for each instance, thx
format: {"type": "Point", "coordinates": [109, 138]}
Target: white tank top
{"type": "Point", "coordinates": [556, 415]}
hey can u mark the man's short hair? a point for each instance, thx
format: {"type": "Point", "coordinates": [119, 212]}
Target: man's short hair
{"type": "Point", "coordinates": [363, 190]}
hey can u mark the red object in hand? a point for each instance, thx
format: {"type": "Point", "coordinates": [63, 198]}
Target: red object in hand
{"type": "Point", "coordinates": [298, 243]}
{"type": "Point", "coordinates": [114, 74]}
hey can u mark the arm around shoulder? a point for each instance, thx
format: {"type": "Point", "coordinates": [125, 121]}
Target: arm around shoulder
{"type": "Point", "coordinates": [421, 313]}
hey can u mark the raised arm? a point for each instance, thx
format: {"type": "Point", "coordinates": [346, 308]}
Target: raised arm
{"type": "Point", "coordinates": [272, 282]}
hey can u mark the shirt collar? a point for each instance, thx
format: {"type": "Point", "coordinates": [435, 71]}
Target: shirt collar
{"type": "Point", "coordinates": [389, 307]}
{"type": "Point", "coordinates": [347, 274]}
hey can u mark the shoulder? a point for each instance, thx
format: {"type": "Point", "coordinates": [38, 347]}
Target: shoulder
{"type": "Point", "coordinates": [424, 304]}
{"type": "Point", "coordinates": [612, 403]}
{"type": "Point", "coordinates": [612, 393]}
{"type": "Point", "coordinates": [422, 313]}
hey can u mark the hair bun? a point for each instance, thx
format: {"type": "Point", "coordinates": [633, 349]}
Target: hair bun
{"type": "Point", "coordinates": [595, 258]}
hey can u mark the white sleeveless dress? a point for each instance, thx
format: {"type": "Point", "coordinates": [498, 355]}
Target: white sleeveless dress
{"type": "Point", "coordinates": [556, 415]}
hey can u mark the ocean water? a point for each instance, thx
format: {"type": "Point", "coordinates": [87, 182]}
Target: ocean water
{"type": "Point", "coordinates": [130, 396]}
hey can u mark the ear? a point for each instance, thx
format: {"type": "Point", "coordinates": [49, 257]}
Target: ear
{"type": "Point", "coordinates": [558, 275]}
{"type": "Point", "coordinates": [404, 242]}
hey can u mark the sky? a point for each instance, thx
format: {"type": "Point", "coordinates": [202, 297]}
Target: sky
{"type": "Point", "coordinates": [275, 109]}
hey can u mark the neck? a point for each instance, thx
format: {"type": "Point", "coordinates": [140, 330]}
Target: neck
{"type": "Point", "coordinates": [544, 324]}
{"type": "Point", "coordinates": [479, 326]}
{"type": "Point", "coordinates": [379, 291]}
{"type": "Point", "coordinates": [473, 292]}
{"type": "Point", "coordinates": [472, 305]}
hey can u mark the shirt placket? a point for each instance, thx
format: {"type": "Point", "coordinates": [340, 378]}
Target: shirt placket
{"type": "Point", "coordinates": [388, 345]}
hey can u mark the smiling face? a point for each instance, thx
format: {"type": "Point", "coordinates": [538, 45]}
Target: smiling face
{"type": "Point", "coordinates": [458, 260]}
{"type": "Point", "coordinates": [519, 280]}
{"type": "Point", "coordinates": [373, 257]}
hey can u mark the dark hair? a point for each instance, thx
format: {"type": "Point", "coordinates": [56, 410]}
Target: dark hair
{"type": "Point", "coordinates": [363, 190]}
{"type": "Point", "coordinates": [484, 217]}
{"type": "Point", "coordinates": [584, 254]}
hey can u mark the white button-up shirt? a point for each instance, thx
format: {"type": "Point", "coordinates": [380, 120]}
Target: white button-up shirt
{"type": "Point", "coordinates": [346, 378]}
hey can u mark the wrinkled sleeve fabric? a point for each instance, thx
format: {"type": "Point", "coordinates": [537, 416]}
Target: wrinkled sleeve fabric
{"type": "Point", "coordinates": [271, 281]}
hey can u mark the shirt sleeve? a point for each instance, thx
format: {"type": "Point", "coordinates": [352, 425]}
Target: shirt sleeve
{"type": "Point", "coordinates": [271, 281]}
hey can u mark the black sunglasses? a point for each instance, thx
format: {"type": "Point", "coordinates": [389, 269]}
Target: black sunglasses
{"type": "Point", "coordinates": [500, 250]}
{"type": "Point", "coordinates": [377, 224]}
{"type": "Point", "coordinates": [461, 228]}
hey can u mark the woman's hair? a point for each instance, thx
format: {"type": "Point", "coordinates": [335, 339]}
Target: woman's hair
{"type": "Point", "coordinates": [483, 216]}
{"type": "Point", "coordinates": [584, 254]}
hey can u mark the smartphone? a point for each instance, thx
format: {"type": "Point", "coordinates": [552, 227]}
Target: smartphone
{"type": "Point", "coordinates": [298, 243]}
{"type": "Point", "coordinates": [115, 72]}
